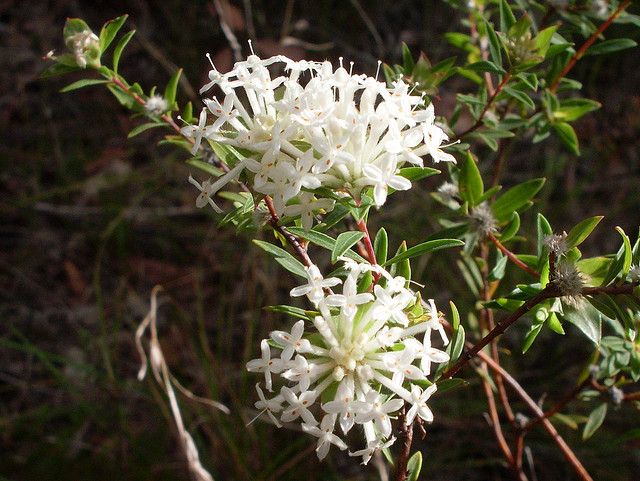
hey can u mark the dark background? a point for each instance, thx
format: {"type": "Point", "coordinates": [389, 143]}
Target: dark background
{"type": "Point", "coordinates": [91, 221]}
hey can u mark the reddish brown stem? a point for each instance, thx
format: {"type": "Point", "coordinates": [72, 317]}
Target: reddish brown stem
{"type": "Point", "coordinates": [547, 293]}
{"type": "Point", "coordinates": [167, 118]}
{"type": "Point", "coordinates": [291, 239]}
{"type": "Point", "coordinates": [512, 257]}
{"type": "Point", "coordinates": [578, 55]}
{"type": "Point", "coordinates": [546, 424]}
{"type": "Point", "coordinates": [406, 436]}
{"type": "Point", "coordinates": [492, 99]}
{"type": "Point", "coordinates": [558, 406]}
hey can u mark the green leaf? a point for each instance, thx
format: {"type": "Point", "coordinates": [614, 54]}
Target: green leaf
{"type": "Point", "coordinates": [511, 228]}
{"type": "Point", "coordinates": [227, 153]}
{"type": "Point", "coordinates": [494, 44]}
{"type": "Point", "coordinates": [344, 242]}
{"type": "Point", "coordinates": [206, 167]}
{"type": "Point", "coordinates": [289, 310]}
{"type": "Point", "coordinates": [581, 231]}
{"type": "Point", "coordinates": [121, 96]}
{"type": "Point", "coordinates": [520, 96]}
{"type": "Point", "coordinates": [535, 329]}
{"type": "Point", "coordinates": [401, 268]}
{"type": "Point", "coordinates": [338, 213]}
{"type": "Point", "coordinates": [381, 246]}
{"type": "Point", "coordinates": [586, 318]}
{"type": "Point", "coordinates": [457, 344]}
{"type": "Point", "coordinates": [449, 384]}
{"type": "Point", "coordinates": [543, 229]}
{"type": "Point", "coordinates": [418, 173]}
{"type": "Point", "coordinates": [83, 83]}
{"type": "Point", "coordinates": [323, 240]}
{"type": "Point", "coordinates": [110, 30]}
{"type": "Point", "coordinates": [498, 270]}
{"type": "Point", "coordinates": [573, 109]}
{"type": "Point", "coordinates": [59, 68]}
{"type": "Point", "coordinates": [283, 258]}
{"type": "Point", "coordinates": [144, 127]}
{"type": "Point", "coordinates": [506, 16]}
{"type": "Point", "coordinates": [610, 46]}
{"type": "Point", "coordinates": [620, 266]}
{"type": "Point", "coordinates": [117, 52]}
{"type": "Point", "coordinates": [627, 255]}
{"type": "Point", "coordinates": [407, 60]}
{"type": "Point", "coordinates": [567, 135]}
{"type": "Point", "coordinates": [424, 248]}
{"type": "Point", "coordinates": [172, 87]}
{"type": "Point", "coordinates": [486, 66]}
{"type": "Point", "coordinates": [515, 198]}
{"type": "Point", "coordinates": [543, 40]}
{"type": "Point", "coordinates": [414, 465]}
{"type": "Point", "coordinates": [470, 183]}
{"type": "Point", "coordinates": [594, 421]}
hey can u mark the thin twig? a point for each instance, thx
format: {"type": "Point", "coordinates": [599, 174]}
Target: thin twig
{"type": "Point", "coordinates": [292, 240]}
{"type": "Point", "coordinates": [531, 404]}
{"type": "Point", "coordinates": [578, 55]}
{"type": "Point", "coordinates": [226, 29]}
{"type": "Point", "coordinates": [492, 99]}
{"type": "Point", "coordinates": [547, 293]}
{"type": "Point", "coordinates": [512, 257]}
{"type": "Point", "coordinates": [406, 435]}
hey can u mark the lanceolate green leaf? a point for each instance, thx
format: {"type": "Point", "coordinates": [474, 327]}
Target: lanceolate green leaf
{"type": "Point", "coordinates": [117, 52]}
{"type": "Point", "coordinates": [581, 231]}
{"type": "Point", "coordinates": [381, 246]}
{"type": "Point", "coordinates": [144, 127]}
{"type": "Point", "coordinates": [171, 88]}
{"type": "Point", "coordinates": [110, 30]}
{"type": "Point", "coordinates": [567, 135]}
{"type": "Point", "coordinates": [323, 240]}
{"type": "Point", "coordinates": [515, 198]}
{"type": "Point", "coordinates": [610, 46]}
{"type": "Point", "coordinates": [424, 248]}
{"type": "Point", "coordinates": [594, 421]}
{"type": "Point", "coordinates": [470, 182]}
{"type": "Point", "coordinates": [290, 310]}
{"type": "Point", "coordinates": [283, 258]}
{"type": "Point", "coordinates": [83, 83]}
{"type": "Point", "coordinates": [344, 243]}
{"type": "Point", "coordinates": [414, 465]}
{"type": "Point", "coordinates": [586, 318]}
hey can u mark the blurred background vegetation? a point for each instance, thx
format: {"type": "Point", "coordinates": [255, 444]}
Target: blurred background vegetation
{"type": "Point", "coordinates": [91, 221]}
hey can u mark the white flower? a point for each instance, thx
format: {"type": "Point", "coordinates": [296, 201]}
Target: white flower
{"type": "Point", "coordinates": [298, 406]}
{"type": "Point", "coordinates": [291, 341]}
{"type": "Point", "coordinates": [378, 411]}
{"type": "Point", "coordinates": [269, 406]}
{"type": "Point", "coordinates": [266, 364]}
{"type": "Point", "coordinates": [419, 406]}
{"type": "Point", "coordinates": [207, 189]}
{"type": "Point", "coordinates": [314, 289]}
{"type": "Point", "coordinates": [372, 446]}
{"type": "Point", "coordinates": [325, 435]}
{"type": "Point", "coordinates": [326, 128]}
{"type": "Point", "coordinates": [359, 362]}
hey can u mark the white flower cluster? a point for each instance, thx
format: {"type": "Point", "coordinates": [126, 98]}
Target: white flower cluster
{"type": "Point", "coordinates": [364, 364]}
{"type": "Point", "coordinates": [335, 130]}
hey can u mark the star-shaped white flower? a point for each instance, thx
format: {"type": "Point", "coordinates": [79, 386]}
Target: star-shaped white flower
{"type": "Point", "coordinates": [266, 364]}
{"type": "Point", "coordinates": [325, 436]}
{"type": "Point", "coordinates": [419, 406]}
